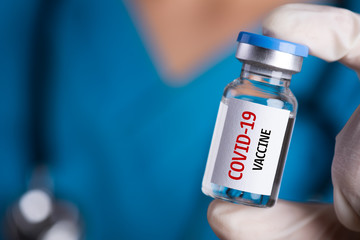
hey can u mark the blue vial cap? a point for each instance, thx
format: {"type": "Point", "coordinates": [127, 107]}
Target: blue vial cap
{"type": "Point", "coordinates": [273, 43]}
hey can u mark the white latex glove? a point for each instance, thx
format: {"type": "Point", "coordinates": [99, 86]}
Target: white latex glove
{"type": "Point", "coordinates": [332, 34]}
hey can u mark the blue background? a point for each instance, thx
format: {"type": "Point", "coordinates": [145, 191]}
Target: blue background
{"type": "Point", "coordinates": [79, 92]}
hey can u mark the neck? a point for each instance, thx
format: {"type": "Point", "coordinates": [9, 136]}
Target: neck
{"type": "Point", "coordinates": [264, 75]}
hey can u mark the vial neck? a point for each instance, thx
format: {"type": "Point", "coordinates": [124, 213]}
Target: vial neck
{"type": "Point", "coordinates": [265, 75]}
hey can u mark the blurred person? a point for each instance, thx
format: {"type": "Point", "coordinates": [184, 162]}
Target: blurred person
{"type": "Point", "coordinates": [119, 99]}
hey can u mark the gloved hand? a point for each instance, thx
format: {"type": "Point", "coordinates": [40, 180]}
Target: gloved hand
{"type": "Point", "coordinates": [332, 34]}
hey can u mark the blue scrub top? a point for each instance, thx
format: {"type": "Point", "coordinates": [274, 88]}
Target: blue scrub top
{"type": "Point", "coordinates": [126, 148]}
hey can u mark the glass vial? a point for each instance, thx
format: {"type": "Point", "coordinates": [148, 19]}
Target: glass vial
{"type": "Point", "coordinates": [254, 123]}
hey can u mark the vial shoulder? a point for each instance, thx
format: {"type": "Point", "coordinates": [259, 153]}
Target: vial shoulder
{"type": "Point", "coordinates": [261, 93]}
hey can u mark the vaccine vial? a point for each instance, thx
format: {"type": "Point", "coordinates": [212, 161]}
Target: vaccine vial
{"type": "Point", "coordinates": [254, 123]}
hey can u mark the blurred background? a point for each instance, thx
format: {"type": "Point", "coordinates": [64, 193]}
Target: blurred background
{"type": "Point", "coordinates": [107, 110]}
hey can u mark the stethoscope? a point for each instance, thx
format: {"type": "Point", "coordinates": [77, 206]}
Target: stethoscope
{"type": "Point", "coordinates": [37, 214]}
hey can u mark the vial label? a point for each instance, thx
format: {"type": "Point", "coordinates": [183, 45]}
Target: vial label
{"type": "Point", "coordinates": [250, 146]}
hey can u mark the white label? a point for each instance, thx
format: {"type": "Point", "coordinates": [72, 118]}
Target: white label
{"type": "Point", "coordinates": [250, 146]}
{"type": "Point", "coordinates": [215, 142]}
